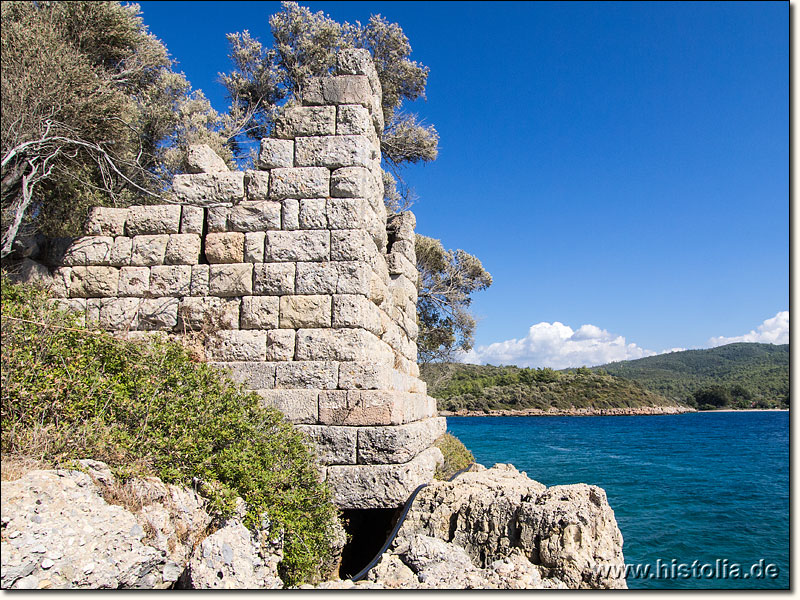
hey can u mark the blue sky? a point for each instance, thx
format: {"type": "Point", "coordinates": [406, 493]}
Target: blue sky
{"type": "Point", "coordinates": [621, 169]}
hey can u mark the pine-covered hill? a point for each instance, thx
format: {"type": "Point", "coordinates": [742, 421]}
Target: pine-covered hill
{"type": "Point", "coordinates": [484, 387]}
{"type": "Point", "coordinates": [762, 370]}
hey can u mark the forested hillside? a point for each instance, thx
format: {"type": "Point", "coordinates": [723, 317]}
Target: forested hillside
{"type": "Point", "coordinates": [755, 375]}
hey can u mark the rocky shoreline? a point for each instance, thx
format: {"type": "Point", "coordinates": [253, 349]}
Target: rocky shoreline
{"type": "Point", "coordinates": [571, 412]}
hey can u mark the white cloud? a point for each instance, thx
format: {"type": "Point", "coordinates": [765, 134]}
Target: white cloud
{"type": "Point", "coordinates": [558, 346]}
{"type": "Point", "coordinates": [771, 331]}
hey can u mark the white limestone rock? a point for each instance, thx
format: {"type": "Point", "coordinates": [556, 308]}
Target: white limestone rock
{"type": "Point", "coordinates": [305, 311]}
{"type": "Point", "coordinates": [105, 220]}
{"type": "Point", "coordinates": [225, 248]}
{"type": "Point", "coordinates": [149, 250]}
{"type": "Point", "coordinates": [299, 182]}
{"type": "Point", "coordinates": [306, 121]}
{"type": "Point", "coordinates": [231, 280]}
{"type": "Point", "coordinates": [153, 219]}
{"type": "Point", "coordinates": [201, 158]}
{"type": "Point", "coordinates": [260, 312]}
{"type": "Point", "coordinates": [209, 189]}
{"type": "Point", "coordinates": [334, 151]}
{"type": "Point", "coordinates": [274, 279]}
{"type": "Point", "coordinates": [275, 153]}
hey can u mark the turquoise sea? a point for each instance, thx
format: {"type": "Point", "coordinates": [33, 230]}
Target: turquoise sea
{"type": "Point", "coordinates": [696, 489]}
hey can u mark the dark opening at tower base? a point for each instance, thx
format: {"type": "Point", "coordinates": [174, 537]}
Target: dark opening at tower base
{"type": "Point", "coordinates": [367, 531]}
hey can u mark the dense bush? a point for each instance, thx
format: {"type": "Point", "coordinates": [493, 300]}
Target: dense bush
{"type": "Point", "coordinates": [146, 409]}
{"type": "Point", "coordinates": [456, 456]}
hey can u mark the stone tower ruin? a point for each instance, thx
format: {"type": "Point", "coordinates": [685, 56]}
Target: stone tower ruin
{"type": "Point", "coordinates": [306, 288]}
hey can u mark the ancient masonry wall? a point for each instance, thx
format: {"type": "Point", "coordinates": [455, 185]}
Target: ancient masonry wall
{"type": "Point", "coordinates": [308, 293]}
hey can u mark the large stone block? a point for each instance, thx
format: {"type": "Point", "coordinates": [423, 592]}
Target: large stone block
{"type": "Point", "coordinates": [106, 221]}
{"type": "Point", "coordinates": [313, 375]}
{"type": "Point", "coordinates": [259, 312]}
{"type": "Point", "coordinates": [351, 277]}
{"type": "Point", "coordinates": [299, 406]}
{"type": "Point", "coordinates": [231, 280]}
{"type": "Point", "coordinates": [358, 61]}
{"type": "Point", "coordinates": [149, 250]}
{"type": "Point", "coordinates": [256, 185]}
{"type": "Point", "coordinates": [290, 246]}
{"type": "Point", "coordinates": [121, 251]}
{"type": "Point", "coordinates": [153, 219]}
{"type": "Point", "coordinates": [255, 216]}
{"type": "Point", "coordinates": [304, 311]}
{"type": "Point", "coordinates": [237, 345]}
{"type": "Point", "coordinates": [217, 220]}
{"type": "Point", "coordinates": [119, 314]}
{"type": "Point", "coordinates": [225, 248]}
{"type": "Point", "coordinates": [340, 344]}
{"type": "Point", "coordinates": [134, 281]}
{"type": "Point", "coordinates": [274, 279]}
{"type": "Point", "coordinates": [313, 214]}
{"type": "Point", "coordinates": [201, 158]}
{"type": "Point", "coordinates": [350, 310]}
{"type": "Point", "coordinates": [334, 151]}
{"type": "Point", "coordinates": [254, 246]}
{"type": "Point", "coordinates": [192, 219]}
{"type": "Point", "coordinates": [209, 189]}
{"type": "Point", "coordinates": [349, 213]}
{"type": "Point", "coordinates": [306, 120]}
{"type": "Point", "coordinates": [93, 282]}
{"type": "Point", "coordinates": [208, 313]}
{"type": "Point", "coordinates": [290, 214]}
{"type": "Point", "coordinates": [333, 445]}
{"type": "Point", "coordinates": [347, 89]}
{"type": "Point", "coordinates": [354, 120]}
{"type": "Point", "coordinates": [280, 344]}
{"type": "Point", "coordinates": [299, 182]}
{"type": "Point", "coordinates": [399, 265]}
{"type": "Point", "coordinates": [381, 486]}
{"type": "Point", "coordinates": [352, 182]}
{"type": "Point", "coordinates": [381, 445]}
{"type": "Point", "coordinates": [365, 375]}
{"type": "Point", "coordinates": [89, 251]}
{"type": "Point", "coordinates": [200, 275]}
{"type": "Point", "coordinates": [374, 407]}
{"type": "Point", "coordinates": [182, 249]}
{"type": "Point", "coordinates": [170, 281]}
{"type": "Point", "coordinates": [252, 375]}
{"type": "Point", "coordinates": [275, 153]}
{"type": "Point", "coordinates": [354, 244]}
{"type": "Point", "coordinates": [158, 313]}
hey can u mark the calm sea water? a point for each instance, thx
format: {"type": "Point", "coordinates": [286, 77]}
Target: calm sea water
{"type": "Point", "coordinates": [693, 487]}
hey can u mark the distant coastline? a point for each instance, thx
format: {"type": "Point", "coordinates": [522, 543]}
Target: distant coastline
{"type": "Point", "coordinates": [571, 412]}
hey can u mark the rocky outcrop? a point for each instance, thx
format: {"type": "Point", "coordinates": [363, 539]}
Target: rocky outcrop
{"type": "Point", "coordinates": [82, 529]}
{"type": "Point", "coordinates": [497, 528]}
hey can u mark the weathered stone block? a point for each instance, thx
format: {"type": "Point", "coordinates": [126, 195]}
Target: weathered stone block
{"type": "Point", "coordinates": [299, 182]}
{"type": "Point", "coordinates": [254, 247]}
{"type": "Point", "coordinates": [121, 251]}
{"type": "Point", "coordinates": [231, 280]}
{"type": "Point", "coordinates": [353, 244]}
{"type": "Point", "coordinates": [400, 444]}
{"type": "Point", "coordinates": [252, 375]}
{"type": "Point", "coordinates": [378, 289]}
{"type": "Point", "coordinates": [192, 218]}
{"type": "Point", "coordinates": [158, 313]}
{"type": "Point", "coordinates": [365, 375]}
{"type": "Point", "coordinates": [170, 281]}
{"type": "Point", "coordinates": [255, 216]}
{"type": "Point", "coordinates": [350, 277]}
{"type": "Point", "coordinates": [274, 279]}
{"type": "Point", "coordinates": [356, 311]}
{"type": "Point", "coordinates": [86, 251]}
{"type": "Point", "coordinates": [311, 91]}
{"type": "Point", "coordinates": [182, 249]}
{"type": "Point", "coordinates": [333, 445]}
{"type": "Point", "coordinates": [403, 290]}
{"type": "Point", "coordinates": [381, 486]}
{"type": "Point", "coordinates": [406, 248]}
{"type": "Point", "coordinates": [305, 311]}
{"type": "Point", "coordinates": [237, 345]}
{"type": "Point", "coordinates": [347, 89]}
{"type": "Point", "coordinates": [134, 281]}
{"type": "Point", "coordinates": [153, 219]}
{"type": "Point", "coordinates": [351, 182]}
{"type": "Point", "coordinates": [275, 153]}
{"type": "Point", "coordinates": [280, 344]}
{"type": "Point", "coordinates": [201, 158]}
{"type": "Point", "coordinates": [349, 213]}
{"type": "Point", "coordinates": [340, 344]}
{"type": "Point", "coordinates": [299, 406]}
{"type": "Point", "coordinates": [374, 407]}
{"type": "Point", "coordinates": [218, 219]}
{"type": "Point", "coordinates": [92, 312]}
{"type": "Point", "coordinates": [225, 248]}
{"type": "Point", "coordinates": [256, 185]}
{"type": "Point", "coordinates": [334, 151]}
{"type": "Point", "coordinates": [354, 120]}
{"type": "Point", "coordinates": [259, 312]}
{"type": "Point", "coordinates": [106, 221]}
{"type": "Point", "coordinates": [314, 375]}
{"type": "Point", "coordinates": [119, 314]}
{"type": "Point", "coordinates": [208, 189]}
{"type": "Point", "coordinates": [200, 275]}
{"type": "Point", "coordinates": [306, 120]}
{"type": "Point", "coordinates": [76, 306]}
{"type": "Point", "coordinates": [358, 61]}
{"type": "Point", "coordinates": [149, 250]}
{"type": "Point", "coordinates": [400, 265]}
{"type": "Point", "coordinates": [209, 313]}
{"type": "Point", "coordinates": [313, 214]}
{"type": "Point", "coordinates": [93, 282]}
{"type": "Point", "coordinates": [290, 246]}
{"type": "Point", "coordinates": [290, 214]}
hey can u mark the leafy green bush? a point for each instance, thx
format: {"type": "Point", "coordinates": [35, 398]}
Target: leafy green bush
{"type": "Point", "coordinates": [145, 408]}
{"type": "Point", "coordinates": [456, 456]}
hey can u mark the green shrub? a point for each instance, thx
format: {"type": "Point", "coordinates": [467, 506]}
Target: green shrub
{"type": "Point", "coordinates": [456, 456]}
{"type": "Point", "coordinates": [146, 409]}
